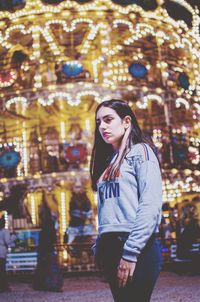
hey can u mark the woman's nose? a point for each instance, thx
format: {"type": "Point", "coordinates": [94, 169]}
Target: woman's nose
{"type": "Point", "coordinates": [102, 125]}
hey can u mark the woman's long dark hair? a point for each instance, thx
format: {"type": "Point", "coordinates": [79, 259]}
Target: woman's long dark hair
{"type": "Point", "coordinates": [102, 151]}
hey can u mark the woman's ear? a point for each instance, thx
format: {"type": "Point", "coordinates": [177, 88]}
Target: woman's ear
{"type": "Point", "coordinates": [127, 121]}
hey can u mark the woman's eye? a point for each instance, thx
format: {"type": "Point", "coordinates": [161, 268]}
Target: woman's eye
{"type": "Point", "coordinates": [108, 120]}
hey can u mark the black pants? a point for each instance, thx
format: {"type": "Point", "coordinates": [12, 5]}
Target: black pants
{"type": "Point", "coordinates": [108, 254]}
{"type": "Point", "coordinates": [3, 278]}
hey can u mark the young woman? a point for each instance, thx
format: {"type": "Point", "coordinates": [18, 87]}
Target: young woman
{"type": "Point", "coordinates": [125, 173]}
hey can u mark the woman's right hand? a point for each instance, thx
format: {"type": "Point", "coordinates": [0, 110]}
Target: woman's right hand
{"type": "Point", "coordinates": [125, 272]}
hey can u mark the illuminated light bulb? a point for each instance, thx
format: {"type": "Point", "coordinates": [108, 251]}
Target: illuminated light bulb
{"type": "Point", "coordinates": [180, 101]}
{"type": "Point", "coordinates": [16, 100]}
{"type": "Point", "coordinates": [187, 172]}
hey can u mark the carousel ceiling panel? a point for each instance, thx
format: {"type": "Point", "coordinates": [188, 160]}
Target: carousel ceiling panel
{"type": "Point", "coordinates": [3, 51]}
{"type": "Point", "coordinates": [15, 36]}
{"type": "Point", "coordinates": [66, 38]}
{"type": "Point", "coordinates": [60, 108]}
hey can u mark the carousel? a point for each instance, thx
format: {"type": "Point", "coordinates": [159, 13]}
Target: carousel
{"type": "Point", "coordinates": [59, 59]}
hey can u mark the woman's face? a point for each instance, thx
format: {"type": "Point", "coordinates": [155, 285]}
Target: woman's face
{"type": "Point", "coordinates": [111, 126]}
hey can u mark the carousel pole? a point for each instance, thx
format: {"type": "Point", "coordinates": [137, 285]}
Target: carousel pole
{"type": "Point", "coordinates": [167, 111]}
{"type": "Point", "coordinates": [40, 147]}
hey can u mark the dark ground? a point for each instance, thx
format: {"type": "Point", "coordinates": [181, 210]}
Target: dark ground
{"type": "Point", "coordinates": [170, 287]}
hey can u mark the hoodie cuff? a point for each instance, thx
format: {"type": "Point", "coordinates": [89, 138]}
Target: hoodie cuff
{"type": "Point", "coordinates": [129, 256]}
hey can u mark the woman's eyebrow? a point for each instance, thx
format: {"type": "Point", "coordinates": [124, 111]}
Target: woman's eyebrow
{"type": "Point", "coordinates": [105, 116]}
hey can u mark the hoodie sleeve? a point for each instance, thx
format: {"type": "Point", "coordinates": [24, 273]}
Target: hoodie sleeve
{"type": "Point", "coordinates": [149, 204]}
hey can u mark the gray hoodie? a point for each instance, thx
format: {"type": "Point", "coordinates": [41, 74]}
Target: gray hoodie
{"type": "Point", "coordinates": [132, 202]}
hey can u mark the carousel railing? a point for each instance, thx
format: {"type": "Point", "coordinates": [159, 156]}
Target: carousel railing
{"type": "Point", "coordinates": [179, 263]}
{"type": "Point", "coordinates": [78, 257]}
{"type": "Point", "coordinates": [21, 262]}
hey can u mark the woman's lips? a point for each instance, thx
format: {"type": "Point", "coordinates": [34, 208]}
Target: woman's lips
{"type": "Point", "coordinates": [106, 135]}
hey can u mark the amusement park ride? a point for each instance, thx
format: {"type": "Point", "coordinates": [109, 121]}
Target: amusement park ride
{"type": "Point", "coordinates": [59, 59]}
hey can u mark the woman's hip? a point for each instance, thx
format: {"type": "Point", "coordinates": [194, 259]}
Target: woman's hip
{"type": "Point", "coordinates": [109, 251]}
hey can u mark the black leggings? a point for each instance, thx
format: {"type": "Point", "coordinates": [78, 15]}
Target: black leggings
{"type": "Point", "coordinates": [108, 254]}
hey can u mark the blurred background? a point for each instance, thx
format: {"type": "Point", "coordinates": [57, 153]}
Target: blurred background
{"type": "Point", "coordinates": [59, 59]}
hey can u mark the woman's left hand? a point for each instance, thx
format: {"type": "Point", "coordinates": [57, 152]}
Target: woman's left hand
{"type": "Point", "coordinates": [125, 272]}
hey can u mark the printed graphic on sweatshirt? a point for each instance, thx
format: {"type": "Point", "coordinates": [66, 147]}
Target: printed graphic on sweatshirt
{"type": "Point", "coordinates": [133, 160]}
{"type": "Point", "coordinates": [138, 159]}
{"type": "Point", "coordinates": [109, 190]}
